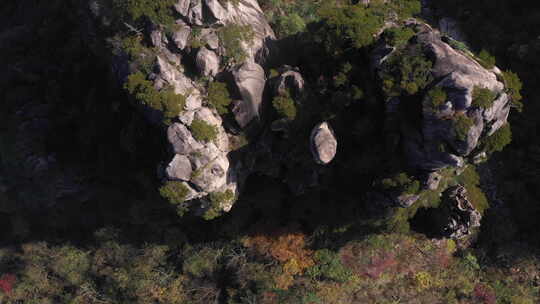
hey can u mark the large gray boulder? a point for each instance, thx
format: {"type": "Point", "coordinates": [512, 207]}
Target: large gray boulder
{"type": "Point", "coordinates": [207, 62]}
{"type": "Point", "coordinates": [323, 143]}
{"type": "Point", "coordinates": [250, 80]}
{"type": "Point", "coordinates": [181, 36]}
{"type": "Point", "coordinates": [182, 7]}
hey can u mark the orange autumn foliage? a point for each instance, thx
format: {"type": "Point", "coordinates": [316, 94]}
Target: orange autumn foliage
{"type": "Point", "coordinates": [286, 246]}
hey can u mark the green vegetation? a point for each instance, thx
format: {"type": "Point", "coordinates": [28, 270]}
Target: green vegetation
{"type": "Point", "coordinates": [471, 181]}
{"type": "Point", "coordinates": [402, 183]}
{"type": "Point", "coordinates": [203, 131]}
{"type": "Point", "coordinates": [486, 59]}
{"type": "Point", "coordinates": [483, 97]}
{"type": "Point", "coordinates": [165, 101]}
{"type": "Point", "coordinates": [457, 45]}
{"type": "Point", "coordinates": [348, 26]}
{"type": "Point", "coordinates": [407, 71]}
{"type": "Point", "coordinates": [233, 36]}
{"type": "Point", "coordinates": [498, 140]}
{"type": "Point", "coordinates": [138, 54]}
{"type": "Point", "coordinates": [462, 125]}
{"type": "Point", "coordinates": [218, 96]}
{"type": "Point", "coordinates": [157, 12]}
{"type": "Point", "coordinates": [218, 200]}
{"type": "Point", "coordinates": [328, 266]}
{"type": "Point", "coordinates": [285, 106]}
{"type": "Point", "coordinates": [397, 36]}
{"type": "Point", "coordinates": [437, 97]}
{"type": "Point", "coordinates": [174, 191]}
{"type": "Point", "coordinates": [514, 86]}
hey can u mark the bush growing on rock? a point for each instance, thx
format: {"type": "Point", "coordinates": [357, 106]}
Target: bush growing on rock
{"type": "Point", "coordinates": [285, 106]}
{"type": "Point", "coordinates": [514, 86]}
{"type": "Point", "coordinates": [462, 125]}
{"type": "Point", "coordinates": [232, 37]}
{"type": "Point", "coordinates": [437, 96]}
{"type": "Point", "coordinates": [498, 140]}
{"type": "Point", "coordinates": [219, 97]}
{"type": "Point", "coordinates": [407, 71]}
{"type": "Point", "coordinates": [397, 36]}
{"type": "Point", "coordinates": [142, 56]}
{"type": "Point", "coordinates": [482, 97]}
{"type": "Point", "coordinates": [165, 101]}
{"type": "Point", "coordinates": [218, 200]}
{"type": "Point", "coordinates": [203, 131]}
{"type": "Point", "coordinates": [174, 191]}
{"type": "Point", "coordinates": [486, 59]}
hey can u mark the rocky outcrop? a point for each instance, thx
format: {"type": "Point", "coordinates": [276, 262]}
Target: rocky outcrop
{"type": "Point", "coordinates": [323, 143]}
{"type": "Point", "coordinates": [203, 166]}
{"type": "Point", "coordinates": [207, 62]}
{"type": "Point", "coordinates": [449, 132]}
{"type": "Point", "coordinates": [290, 79]}
{"type": "Point", "coordinates": [250, 80]}
{"type": "Point", "coordinates": [462, 216]}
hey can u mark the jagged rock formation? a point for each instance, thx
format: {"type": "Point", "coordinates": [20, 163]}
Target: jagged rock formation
{"type": "Point", "coordinates": [323, 143]}
{"type": "Point", "coordinates": [204, 166]}
{"type": "Point", "coordinates": [437, 143]}
{"type": "Point", "coordinates": [462, 216]}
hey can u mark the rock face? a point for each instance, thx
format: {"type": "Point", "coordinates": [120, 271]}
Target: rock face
{"type": "Point", "coordinates": [207, 62]}
{"type": "Point", "coordinates": [289, 79]}
{"type": "Point", "coordinates": [250, 80]}
{"type": "Point", "coordinates": [463, 217]}
{"type": "Point", "coordinates": [323, 143]}
{"type": "Point", "coordinates": [436, 143]}
{"type": "Point", "coordinates": [203, 166]}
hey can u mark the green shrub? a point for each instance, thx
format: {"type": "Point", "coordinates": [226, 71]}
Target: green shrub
{"type": "Point", "coordinates": [353, 25]}
{"type": "Point", "coordinates": [462, 125]}
{"type": "Point", "coordinates": [289, 24]}
{"type": "Point", "coordinates": [201, 263]}
{"type": "Point", "coordinates": [218, 200]}
{"type": "Point", "coordinates": [437, 96]}
{"type": "Point", "coordinates": [203, 131]}
{"type": "Point", "coordinates": [158, 12]}
{"type": "Point", "coordinates": [232, 36]}
{"type": "Point", "coordinates": [285, 106]}
{"type": "Point", "coordinates": [457, 45]}
{"type": "Point", "coordinates": [498, 140]}
{"type": "Point", "coordinates": [72, 264]}
{"type": "Point", "coordinates": [219, 97]}
{"type": "Point", "coordinates": [397, 36]}
{"type": "Point", "coordinates": [328, 266]}
{"type": "Point", "coordinates": [174, 191]}
{"type": "Point", "coordinates": [142, 56]}
{"type": "Point", "coordinates": [486, 59]}
{"type": "Point", "coordinates": [402, 183]}
{"type": "Point", "coordinates": [165, 101]}
{"type": "Point", "coordinates": [471, 181]}
{"type": "Point", "coordinates": [408, 71]}
{"type": "Point", "coordinates": [514, 86]}
{"type": "Point", "coordinates": [483, 97]}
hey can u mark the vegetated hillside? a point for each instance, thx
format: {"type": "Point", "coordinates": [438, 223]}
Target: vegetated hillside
{"type": "Point", "coordinates": [225, 152]}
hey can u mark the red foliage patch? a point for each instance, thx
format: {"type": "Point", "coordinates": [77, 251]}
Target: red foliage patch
{"type": "Point", "coordinates": [379, 265]}
{"type": "Point", "coordinates": [484, 294]}
{"type": "Point", "coordinates": [6, 282]}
